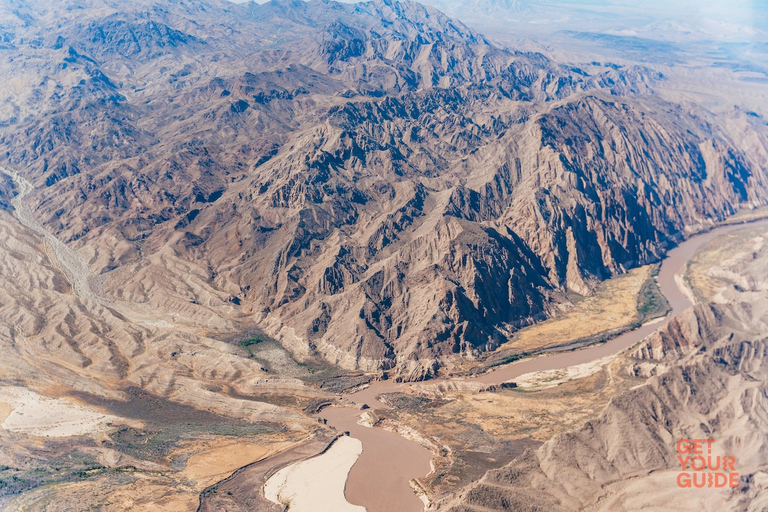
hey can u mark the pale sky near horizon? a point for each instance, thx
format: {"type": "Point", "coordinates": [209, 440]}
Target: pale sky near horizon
{"type": "Point", "coordinates": [728, 9]}
{"type": "Point", "coordinates": [750, 13]}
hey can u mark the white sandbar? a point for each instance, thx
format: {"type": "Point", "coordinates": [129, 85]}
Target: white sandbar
{"type": "Point", "coordinates": [317, 484]}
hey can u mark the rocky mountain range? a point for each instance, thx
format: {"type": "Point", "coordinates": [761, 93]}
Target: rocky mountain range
{"type": "Point", "coordinates": [374, 183]}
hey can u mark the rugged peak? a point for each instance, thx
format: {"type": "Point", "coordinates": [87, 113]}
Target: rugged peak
{"type": "Point", "coordinates": [416, 15]}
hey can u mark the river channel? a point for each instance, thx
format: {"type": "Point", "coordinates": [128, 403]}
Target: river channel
{"type": "Point", "coordinates": [380, 478]}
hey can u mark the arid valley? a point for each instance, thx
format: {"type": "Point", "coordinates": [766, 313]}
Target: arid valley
{"type": "Point", "coordinates": [347, 257]}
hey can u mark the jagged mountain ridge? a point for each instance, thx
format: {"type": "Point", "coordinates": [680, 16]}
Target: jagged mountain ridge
{"type": "Point", "coordinates": [705, 374]}
{"type": "Point", "coordinates": [372, 182]}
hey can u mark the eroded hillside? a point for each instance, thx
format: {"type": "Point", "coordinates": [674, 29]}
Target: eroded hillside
{"type": "Point", "coordinates": [372, 183]}
{"type": "Point", "coordinates": [707, 381]}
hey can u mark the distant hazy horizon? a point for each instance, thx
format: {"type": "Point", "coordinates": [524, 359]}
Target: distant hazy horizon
{"type": "Point", "coordinates": [714, 15]}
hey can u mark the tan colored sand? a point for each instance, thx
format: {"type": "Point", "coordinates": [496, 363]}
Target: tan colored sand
{"type": "Point", "coordinates": [217, 459]}
{"type": "Point", "coordinates": [551, 378]}
{"type": "Point", "coordinates": [145, 493]}
{"type": "Point", "coordinates": [150, 496]}
{"type": "Point", "coordinates": [317, 484]}
{"type": "Point", "coordinates": [613, 306]}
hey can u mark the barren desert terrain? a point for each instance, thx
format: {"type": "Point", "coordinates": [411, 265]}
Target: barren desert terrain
{"type": "Point", "coordinates": [381, 256]}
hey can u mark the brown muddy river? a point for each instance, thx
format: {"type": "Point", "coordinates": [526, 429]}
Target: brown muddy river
{"type": "Point", "coordinates": [379, 479]}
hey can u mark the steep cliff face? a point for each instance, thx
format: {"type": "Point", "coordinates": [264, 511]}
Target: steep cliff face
{"type": "Point", "coordinates": [373, 182]}
{"type": "Point", "coordinates": [621, 180]}
{"type": "Point", "coordinates": [708, 372]}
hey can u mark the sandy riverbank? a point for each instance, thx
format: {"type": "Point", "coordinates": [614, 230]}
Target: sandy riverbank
{"type": "Point", "coordinates": [317, 484]}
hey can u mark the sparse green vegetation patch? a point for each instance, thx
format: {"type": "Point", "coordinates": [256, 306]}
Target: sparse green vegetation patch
{"type": "Point", "coordinates": [406, 402]}
{"type": "Point", "coordinates": [155, 444]}
{"type": "Point", "coordinates": [250, 341]}
{"type": "Point", "coordinates": [69, 467]}
{"type": "Point", "coordinates": [651, 303]}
